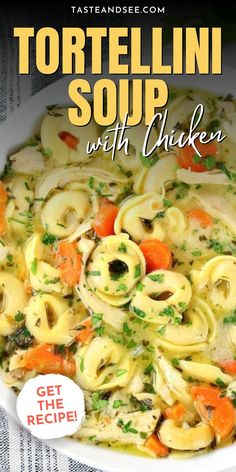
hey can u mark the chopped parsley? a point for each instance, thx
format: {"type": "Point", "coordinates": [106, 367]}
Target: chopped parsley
{"type": "Point", "coordinates": [122, 248]}
{"type": "Point", "coordinates": [161, 330]}
{"type": "Point", "coordinates": [209, 162]}
{"type": "Point", "coordinates": [81, 364]}
{"type": "Point", "coordinates": [196, 253]}
{"type": "Point", "coordinates": [120, 372]}
{"type": "Point", "coordinates": [230, 319]}
{"type": "Point", "coordinates": [48, 238]}
{"type": "Point", "coordinates": [157, 277]}
{"type": "Point", "coordinates": [98, 403]}
{"type": "Point", "coordinates": [96, 319]}
{"type": "Point", "coordinates": [19, 316]}
{"type": "Point", "coordinates": [94, 273]}
{"type": "Point", "coordinates": [34, 266]}
{"type": "Point", "coordinates": [122, 288]}
{"type": "Point", "coordinates": [91, 182]}
{"type": "Point", "coordinates": [118, 404]}
{"type": "Point", "coordinates": [220, 383]}
{"type": "Point", "coordinates": [148, 161]}
{"type": "Point", "coordinates": [148, 369]}
{"type": "Point", "coordinates": [126, 329]}
{"type": "Point", "coordinates": [175, 362]}
{"type": "Point", "coordinates": [140, 286]}
{"type": "Point", "coordinates": [168, 311]}
{"type": "Point", "coordinates": [47, 152]}
{"type": "Point", "coordinates": [182, 306]}
{"type": "Point", "coordinates": [167, 203]}
{"type": "Point", "coordinates": [160, 214]}
{"type": "Point", "coordinates": [139, 312]}
{"type": "Point", "coordinates": [137, 271]}
{"type": "Point", "coordinates": [149, 388]}
{"type": "Point", "coordinates": [126, 427]}
{"type": "Point", "coordinates": [231, 175]}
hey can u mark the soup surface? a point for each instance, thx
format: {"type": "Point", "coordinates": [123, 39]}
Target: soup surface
{"type": "Point", "coordinates": [122, 275]}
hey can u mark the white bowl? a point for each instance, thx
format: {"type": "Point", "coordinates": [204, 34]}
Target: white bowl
{"type": "Point", "coordinates": [18, 128]}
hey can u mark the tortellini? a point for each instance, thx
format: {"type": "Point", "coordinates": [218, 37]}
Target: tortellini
{"type": "Point", "coordinates": [199, 327]}
{"type": "Point", "coordinates": [66, 200]}
{"type": "Point", "coordinates": [162, 297]}
{"type": "Point", "coordinates": [174, 223]}
{"type": "Point", "coordinates": [55, 130]}
{"type": "Point", "coordinates": [139, 217]}
{"type": "Point", "coordinates": [50, 320]}
{"type": "Point", "coordinates": [103, 365]}
{"type": "Point", "coordinates": [13, 300]}
{"type": "Point", "coordinates": [134, 215]}
{"type": "Point", "coordinates": [158, 176]}
{"type": "Point", "coordinates": [112, 315]}
{"type": "Point", "coordinates": [216, 280]}
{"type": "Point", "coordinates": [44, 277]}
{"type": "Point", "coordinates": [114, 269]}
{"type": "Point", "coordinates": [173, 435]}
{"type": "Point", "coordinates": [65, 210]}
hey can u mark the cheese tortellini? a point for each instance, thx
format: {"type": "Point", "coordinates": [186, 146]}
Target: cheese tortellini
{"type": "Point", "coordinates": [216, 280]}
{"type": "Point", "coordinates": [66, 142]}
{"type": "Point", "coordinates": [114, 269]}
{"type": "Point", "coordinates": [158, 176]}
{"type": "Point", "coordinates": [13, 300]}
{"type": "Point", "coordinates": [65, 210]}
{"type": "Point", "coordinates": [50, 320]}
{"type": "Point", "coordinates": [199, 327]}
{"type": "Point", "coordinates": [162, 297]}
{"type": "Point", "coordinates": [45, 277]}
{"type": "Point", "coordinates": [105, 365]}
{"type": "Point", "coordinates": [135, 214]}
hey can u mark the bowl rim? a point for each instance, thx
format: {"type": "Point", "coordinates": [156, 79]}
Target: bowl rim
{"type": "Point", "coordinates": [27, 117]}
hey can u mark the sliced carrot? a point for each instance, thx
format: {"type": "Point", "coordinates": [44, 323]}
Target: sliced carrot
{"type": "Point", "coordinates": [202, 217]}
{"type": "Point", "coordinates": [223, 418]}
{"type": "Point", "coordinates": [28, 287]}
{"type": "Point", "coordinates": [69, 263]}
{"type": "Point", "coordinates": [157, 254]}
{"type": "Point", "coordinates": [3, 225]}
{"type": "Point", "coordinates": [229, 366]}
{"type": "Point", "coordinates": [104, 220]}
{"type": "Point", "coordinates": [218, 411]}
{"type": "Point", "coordinates": [175, 412]}
{"type": "Point", "coordinates": [188, 159]}
{"type": "Point", "coordinates": [85, 331]}
{"type": "Point", "coordinates": [44, 360]}
{"type": "Point", "coordinates": [154, 444]}
{"type": "Point", "coordinates": [3, 193]}
{"type": "Point", "coordinates": [69, 139]}
{"type": "Point", "coordinates": [206, 394]}
{"type": "Point", "coordinates": [3, 201]}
